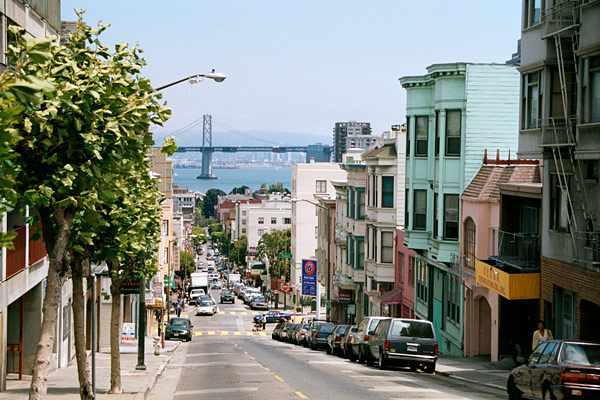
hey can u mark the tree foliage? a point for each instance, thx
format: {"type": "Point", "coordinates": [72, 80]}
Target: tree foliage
{"type": "Point", "coordinates": [271, 245]}
{"type": "Point", "coordinates": [237, 253]}
{"type": "Point", "coordinates": [239, 190]}
{"type": "Point", "coordinates": [277, 188]}
{"type": "Point", "coordinates": [210, 201]}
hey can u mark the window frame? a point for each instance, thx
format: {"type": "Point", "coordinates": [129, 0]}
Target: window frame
{"type": "Point", "coordinates": [419, 211]}
{"type": "Point", "coordinates": [452, 221]}
{"type": "Point", "coordinates": [386, 202]}
{"type": "Point", "coordinates": [438, 121]}
{"type": "Point", "coordinates": [422, 136]}
{"type": "Point", "coordinates": [387, 249]}
{"type": "Point", "coordinates": [455, 136]}
{"type": "Point", "coordinates": [526, 99]}
{"type": "Point", "coordinates": [470, 229]}
{"type": "Point", "coordinates": [590, 70]}
{"type": "Point", "coordinates": [555, 208]}
{"type": "Point", "coordinates": [261, 220]}
{"type": "Point", "coordinates": [273, 220]}
{"type": "Point", "coordinates": [321, 186]}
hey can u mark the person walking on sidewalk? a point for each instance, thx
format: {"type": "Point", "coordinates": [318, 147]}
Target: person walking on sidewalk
{"type": "Point", "coordinates": [541, 335]}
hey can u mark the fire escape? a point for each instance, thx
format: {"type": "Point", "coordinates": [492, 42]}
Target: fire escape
{"type": "Point", "coordinates": [559, 132]}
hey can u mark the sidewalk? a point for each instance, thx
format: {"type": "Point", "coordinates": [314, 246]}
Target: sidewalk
{"type": "Point", "coordinates": [64, 383]}
{"type": "Point", "coordinates": [478, 370]}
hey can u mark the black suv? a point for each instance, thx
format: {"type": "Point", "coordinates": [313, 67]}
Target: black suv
{"type": "Point", "coordinates": [227, 296]}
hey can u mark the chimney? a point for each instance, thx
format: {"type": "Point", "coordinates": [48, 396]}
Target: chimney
{"type": "Point", "coordinates": [312, 160]}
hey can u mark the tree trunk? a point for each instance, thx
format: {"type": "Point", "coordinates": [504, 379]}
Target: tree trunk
{"type": "Point", "coordinates": [56, 244]}
{"type": "Point", "coordinates": [115, 333]}
{"type": "Point", "coordinates": [85, 386]}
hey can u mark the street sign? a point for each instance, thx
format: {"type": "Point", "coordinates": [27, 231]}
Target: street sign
{"type": "Point", "coordinates": [284, 255]}
{"type": "Point", "coordinates": [328, 304]}
{"type": "Point", "coordinates": [336, 280]}
{"type": "Point", "coordinates": [130, 287]}
{"type": "Point", "coordinates": [309, 277]}
{"type": "Point", "coordinates": [285, 287]}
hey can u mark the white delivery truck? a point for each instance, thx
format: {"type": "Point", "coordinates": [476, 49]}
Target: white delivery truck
{"type": "Point", "coordinates": [233, 278]}
{"type": "Point", "coordinates": [199, 280]}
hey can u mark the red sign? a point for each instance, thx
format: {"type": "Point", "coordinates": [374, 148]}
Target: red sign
{"type": "Point", "coordinates": [285, 287]}
{"type": "Point", "coordinates": [309, 267]}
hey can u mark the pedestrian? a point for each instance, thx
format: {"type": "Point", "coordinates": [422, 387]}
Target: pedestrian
{"type": "Point", "coordinates": [264, 322]}
{"type": "Point", "coordinates": [541, 335]}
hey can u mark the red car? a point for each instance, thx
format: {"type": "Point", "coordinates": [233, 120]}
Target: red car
{"type": "Point", "coordinates": [558, 369]}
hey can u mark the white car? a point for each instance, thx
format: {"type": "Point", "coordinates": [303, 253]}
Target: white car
{"type": "Point", "coordinates": [217, 285]}
{"type": "Point", "coordinates": [195, 293]}
{"type": "Point", "coordinates": [206, 308]}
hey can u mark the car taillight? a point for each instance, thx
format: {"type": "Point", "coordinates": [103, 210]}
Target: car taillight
{"type": "Point", "coordinates": [303, 334]}
{"type": "Point", "coordinates": [387, 345]}
{"type": "Point", "coordinates": [338, 339]}
{"type": "Point", "coordinates": [572, 377]}
{"type": "Point", "coordinates": [366, 338]}
{"type": "Point", "coordinates": [592, 379]}
{"type": "Point", "coordinates": [437, 349]}
{"type": "Point", "coordinates": [317, 335]}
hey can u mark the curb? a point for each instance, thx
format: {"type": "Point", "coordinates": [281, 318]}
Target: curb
{"type": "Point", "coordinates": [153, 380]}
{"type": "Point", "coordinates": [491, 385]}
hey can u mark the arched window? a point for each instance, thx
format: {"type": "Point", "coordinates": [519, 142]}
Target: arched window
{"type": "Point", "coordinates": [469, 256]}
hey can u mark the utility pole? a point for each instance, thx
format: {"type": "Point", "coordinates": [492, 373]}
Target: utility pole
{"type": "Point", "coordinates": [141, 325]}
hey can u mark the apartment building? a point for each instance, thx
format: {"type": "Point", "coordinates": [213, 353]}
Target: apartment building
{"type": "Point", "coordinates": [265, 217]}
{"type": "Point", "coordinates": [162, 169]}
{"type": "Point", "coordinates": [454, 112]}
{"type": "Point", "coordinates": [352, 134]}
{"type": "Point", "coordinates": [560, 123]}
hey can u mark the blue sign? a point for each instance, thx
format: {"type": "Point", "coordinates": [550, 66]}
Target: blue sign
{"type": "Point", "coordinates": [309, 277]}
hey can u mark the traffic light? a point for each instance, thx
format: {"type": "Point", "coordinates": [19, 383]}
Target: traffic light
{"type": "Point", "coordinates": [287, 275]}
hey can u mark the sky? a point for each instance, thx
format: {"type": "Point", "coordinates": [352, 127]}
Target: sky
{"type": "Point", "coordinates": [300, 66]}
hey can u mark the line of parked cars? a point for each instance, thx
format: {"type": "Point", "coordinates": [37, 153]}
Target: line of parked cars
{"type": "Point", "coordinates": [250, 296]}
{"type": "Point", "coordinates": [388, 341]}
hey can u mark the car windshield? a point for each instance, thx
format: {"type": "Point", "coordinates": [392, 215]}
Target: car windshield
{"type": "Point", "coordinates": [227, 292]}
{"type": "Point", "coordinates": [327, 328]}
{"type": "Point", "coordinates": [411, 329]}
{"type": "Point", "coordinates": [258, 298]}
{"type": "Point", "coordinates": [580, 354]}
{"type": "Point", "coordinates": [206, 304]}
{"type": "Point", "coordinates": [178, 322]}
{"type": "Point", "coordinates": [373, 325]}
{"type": "Point", "coordinates": [342, 329]}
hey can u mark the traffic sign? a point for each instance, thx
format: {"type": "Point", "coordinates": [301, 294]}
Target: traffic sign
{"type": "Point", "coordinates": [309, 277]}
{"type": "Point", "coordinates": [285, 287]}
{"type": "Point", "coordinates": [284, 255]}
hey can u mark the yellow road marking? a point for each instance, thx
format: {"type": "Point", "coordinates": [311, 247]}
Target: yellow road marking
{"type": "Point", "coordinates": [224, 333]}
{"type": "Point", "coordinates": [237, 334]}
{"type": "Point", "coordinates": [232, 312]}
{"type": "Point", "coordinates": [249, 333]}
{"type": "Point", "coordinates": [245, 352]}
{"type": "Point", "coordinates": [198, 333]}
{"type": "Point", "coordinates": [252, 358]}
{"type": "Point", "coordinates": [280, 379]}
{"type": "Point", "coordinates": [262, 333]}
{"type": "Point", "coordinates": [265, 368]}
{"type": "Point", "coordinates": [255, 312]}
{"type": "Point", "coordinates": [243, 313]}
{"type": "Point", "coordinates": [222, 312]}
{"type": "Point", "coordinates": [211, 332]}
{"type": "Point", "coordinates": [302, 396]}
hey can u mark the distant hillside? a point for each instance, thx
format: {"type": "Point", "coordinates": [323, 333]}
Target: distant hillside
{"type": "Point", "coordinates": [249, 138]}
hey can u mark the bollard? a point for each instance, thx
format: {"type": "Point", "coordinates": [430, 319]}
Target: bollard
{"type": "Point", "coordinates": [156, 345]}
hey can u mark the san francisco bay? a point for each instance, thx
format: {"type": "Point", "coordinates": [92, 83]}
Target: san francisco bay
{"type": "Point", "coordinates": [227, 179]}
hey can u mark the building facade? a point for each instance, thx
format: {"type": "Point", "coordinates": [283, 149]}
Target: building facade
{"type": "Point", "coordinates": [352, 134]}
{"type": "Point", "coordinates": [162, 168]}
{"type": "Point", "coordinates": [266, 217]}
{"type": "Point", "coordinates": [560, 123]}
{"type": "Point", "coordinates": [454, 113]}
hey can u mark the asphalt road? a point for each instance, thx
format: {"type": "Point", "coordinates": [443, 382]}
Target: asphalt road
{"type": "Point", "coordinates": [226, 360]}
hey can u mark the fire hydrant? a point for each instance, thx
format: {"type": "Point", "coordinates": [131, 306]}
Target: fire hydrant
{"type": "Point", "coordinates": [156, 344]}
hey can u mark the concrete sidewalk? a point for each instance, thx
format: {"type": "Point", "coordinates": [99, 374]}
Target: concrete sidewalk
{"type": "Point", "coordinates": [64, 383]}
{"type": "Point", "coordinates": [478, 370]}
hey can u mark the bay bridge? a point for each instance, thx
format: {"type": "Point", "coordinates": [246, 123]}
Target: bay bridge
{"type": "Point", "coordinates": [318, 152]}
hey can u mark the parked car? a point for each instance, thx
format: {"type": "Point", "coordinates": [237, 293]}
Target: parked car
{"type": "Point", "coordinates": [248, 294]}
{"type": "Point", "coordinates": [292, 328]}
{"type": "Point", "coordinates": [259, 303]}
{"type": "Point", "coordinates": [301, 334]}
{"type": "Point", "coordinates": [206, 308]}
{"type": "Point", "coordinates": [276, 334]}
{"type": "Point", "coordinates": [558, 369]}
{"type": "Point", "coordinates": [179, 328]}
{"type": "Point", "coordinates": [284, 331]}
{"type": "Point", "coordinates": [335, 338]}
{"type": "Point", "coordinates": [204, 297]}
{"type": "Point", "coordinates": [360, 339]}
{"type": "Point", "coordinates": [227, 296]}
{"type": "Point", "coordinates": [402, 341]}
{"type": "Point", "coordinates": [217, 285]}
{"type": "Point", "coordinates": [347, 341]}
{"type": "Point", "coordinates": [272, 316]}
{"type": "Point", "coordinates": [320, 333]}
{"type": "Point", "coordinates": [241, 291]}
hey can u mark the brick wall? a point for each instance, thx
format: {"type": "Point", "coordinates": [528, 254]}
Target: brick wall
{"type": "Point", "coordinates": [584, 283]}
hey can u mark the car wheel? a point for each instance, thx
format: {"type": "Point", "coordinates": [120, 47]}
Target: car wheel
{"type": "Point", "coordinates": [369, 359]}
{"type": "Point", "coordinates": [382, 361]}
{"type": "Point", "coordinates": [361, 357]}
{"type": "Point", "coordinates": [413, 367]}
{"type": "Point", "coordinates": [513, 392]}
{"type": "Point", "coordinates": [328, 350]}
{"type": "Point", "coordinates": [547, 393]}
{"type": "Point", "coordinates": [351, 355]}
{"type": "Point", "coordinates": [430, 368]}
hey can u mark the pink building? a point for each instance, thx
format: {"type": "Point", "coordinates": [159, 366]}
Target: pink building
{"type": "Point", "coordinates": [497, 185]}
{"type": "Point", "coordinates": [401, 299]}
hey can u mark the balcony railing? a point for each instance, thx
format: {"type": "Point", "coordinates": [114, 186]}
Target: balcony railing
{"type": "Point", "coordinates": [15, 259]}
{"type": "Point", "coordinates": [37, 249]}
{"type": "Point", "coordinates": [519, 250]}
{"type": "Point", "coordinates": [561, 17]}
{"type": "Point", "coordinates": [588, 247]}
{"type": "Point", "coordinates": [559, 131]}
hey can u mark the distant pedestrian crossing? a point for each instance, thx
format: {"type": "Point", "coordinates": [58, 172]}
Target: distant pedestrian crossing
{"type": "Point", "coordinates": [229, 333]}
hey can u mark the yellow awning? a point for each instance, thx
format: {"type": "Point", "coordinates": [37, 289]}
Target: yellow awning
{"type": "Point", "coordinates": [509, 286]}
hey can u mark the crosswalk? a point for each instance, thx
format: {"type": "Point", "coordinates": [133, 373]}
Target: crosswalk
{"type": "Point", "coordinates": [239, 313]}
{"type": "Point", "coordinates": [227, 333]}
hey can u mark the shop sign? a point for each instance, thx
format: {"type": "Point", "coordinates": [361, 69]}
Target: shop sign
{"type": "Point", "coordinates": [130, 287]}
{"type": "Point", "coordinates": [351, 310]}
{"type": "Point", "coordinates": [336, 280]}
{"type": "Point", "coordinates": [344, 295]}
{"type": "Point", "coordinates": [509, 286]}
{"type": "Point", "coordinates": [128, 334]}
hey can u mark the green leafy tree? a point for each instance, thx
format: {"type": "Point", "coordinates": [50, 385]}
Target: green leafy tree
{"type": "Point", "coordinates": [237, 254]}
{"type": "Point", "coordinates": [239, 190]}
{"type": "Point", "coordinates": [83, 117]}
{"type": "Point", "coordinates": [272, 244]}
{"type": "Point", "coordinates": [186, 262]}
{"type": "Point", "coordinates": [215, 227]}
{"type": "Point", "coordinates": [277, 188]}
{"type": "Point", "coordinates": [210, 201]}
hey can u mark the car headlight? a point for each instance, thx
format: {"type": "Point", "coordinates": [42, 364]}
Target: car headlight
{"type": "Point", "coordinates": [185, 332]}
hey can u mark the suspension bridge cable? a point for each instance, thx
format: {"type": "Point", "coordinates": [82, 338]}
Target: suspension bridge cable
{"type": "Point", "coordinates": [245, 134]}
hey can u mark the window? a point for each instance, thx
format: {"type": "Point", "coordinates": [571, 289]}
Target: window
{"type": "Point", "coordinates": [556, 100]}
{"type": "Point", "coordinates": [316, 232]}
{"type": "Point", "coordinates": [261, 232]}
{"type": "Point", "coordinates": [438, 123]}
{"type": "Point", "coordinates": [361, 205]}
{"type": "Point", "coordinates": [321, 187]}
{"type": "Point", "coordinates": [360, 250]}
{"type": "Point", "coordinates": [375, 191]}
{"type": "Point", "coordinates": [591, 89]}
{"type": "Point", "coordinates": [261, 220]}
{"type": "Point", "coordinates": [411, 270]}
{"type": "Point", "coordinates": [422, 282]}
{"type": "Point", "coordinates": [436, 215]}
{"type": "Point", "coordinates": [420, 210]}
{"type": "Point", "coordinates": [532, 13]}
{"type": "Point", "coordinates": [165, 227]}
{"type": "Point", "coordinates": [421, 128]}
{"type": "Point", "coordinates": [287, 221]}
{"type": "Point", "coordinates": [401, 265]}
{"type": "Point", "coordinates": [351, 251]}
{"type": "Point", "coordinates": [273, 220]}
{"type": "Point", "coordinates": [406, 208]}
{"type": "Point", "coordinates": [407, 138]}
{"type": "Point", "coordinates": [243, 230]}
{"type": "Point", "coordinates": [243, 222]}
{"type": "Point", "coordinates": [451, 217]}
{"type": "Point", "coordinates": [453, 296]}
{"type": "Point", "coordinates": [453, 123]}
{"type": "Point", "coordinates": [169, 172]}
{"type": "Point", "coordinates": [387, 247]}
{"type": "Point", "coordinates": [351, 203]}
{"type": "Point", "coordinates": [470, 243]}
{"type": "Point", "coordinates": [558, 204]}
{"type": "Point", "coordinates": [591, 170]}
{"type": "Point", "coordinates": [387, 191]}
{"type": "Point", "coordinates": [532, 98]}
{"type": "Point", "coordinates": [168, 186]}
{"type": "Point", "coordinates": [165, 255]}
{"type": "Point", "coordinates": [243, 213]}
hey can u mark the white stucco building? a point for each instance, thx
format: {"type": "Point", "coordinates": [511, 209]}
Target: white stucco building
{"type": "Point", "coordinates": [268, 216]}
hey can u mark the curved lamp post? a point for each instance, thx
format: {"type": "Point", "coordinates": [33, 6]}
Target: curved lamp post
{"type": "Point", "coordinates": [215, 76]}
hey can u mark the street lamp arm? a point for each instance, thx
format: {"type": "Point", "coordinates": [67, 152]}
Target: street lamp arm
{"type": "Point", "coordinates": [310, 202]}
{"type": "Point", "coordinates": [216, 76]}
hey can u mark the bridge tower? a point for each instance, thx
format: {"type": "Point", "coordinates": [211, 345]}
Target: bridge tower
{"type": "Point", "coordinates": [206, 148]}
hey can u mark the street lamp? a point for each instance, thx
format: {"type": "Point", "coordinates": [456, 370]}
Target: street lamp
{"type": "Point", "coordinates": [215, 76]}
{"type": "Point", "coordinates": [328, 256]}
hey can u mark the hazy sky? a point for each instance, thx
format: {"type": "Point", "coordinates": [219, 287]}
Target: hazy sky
{"type": "Point", "coordinates": [301, 66]}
